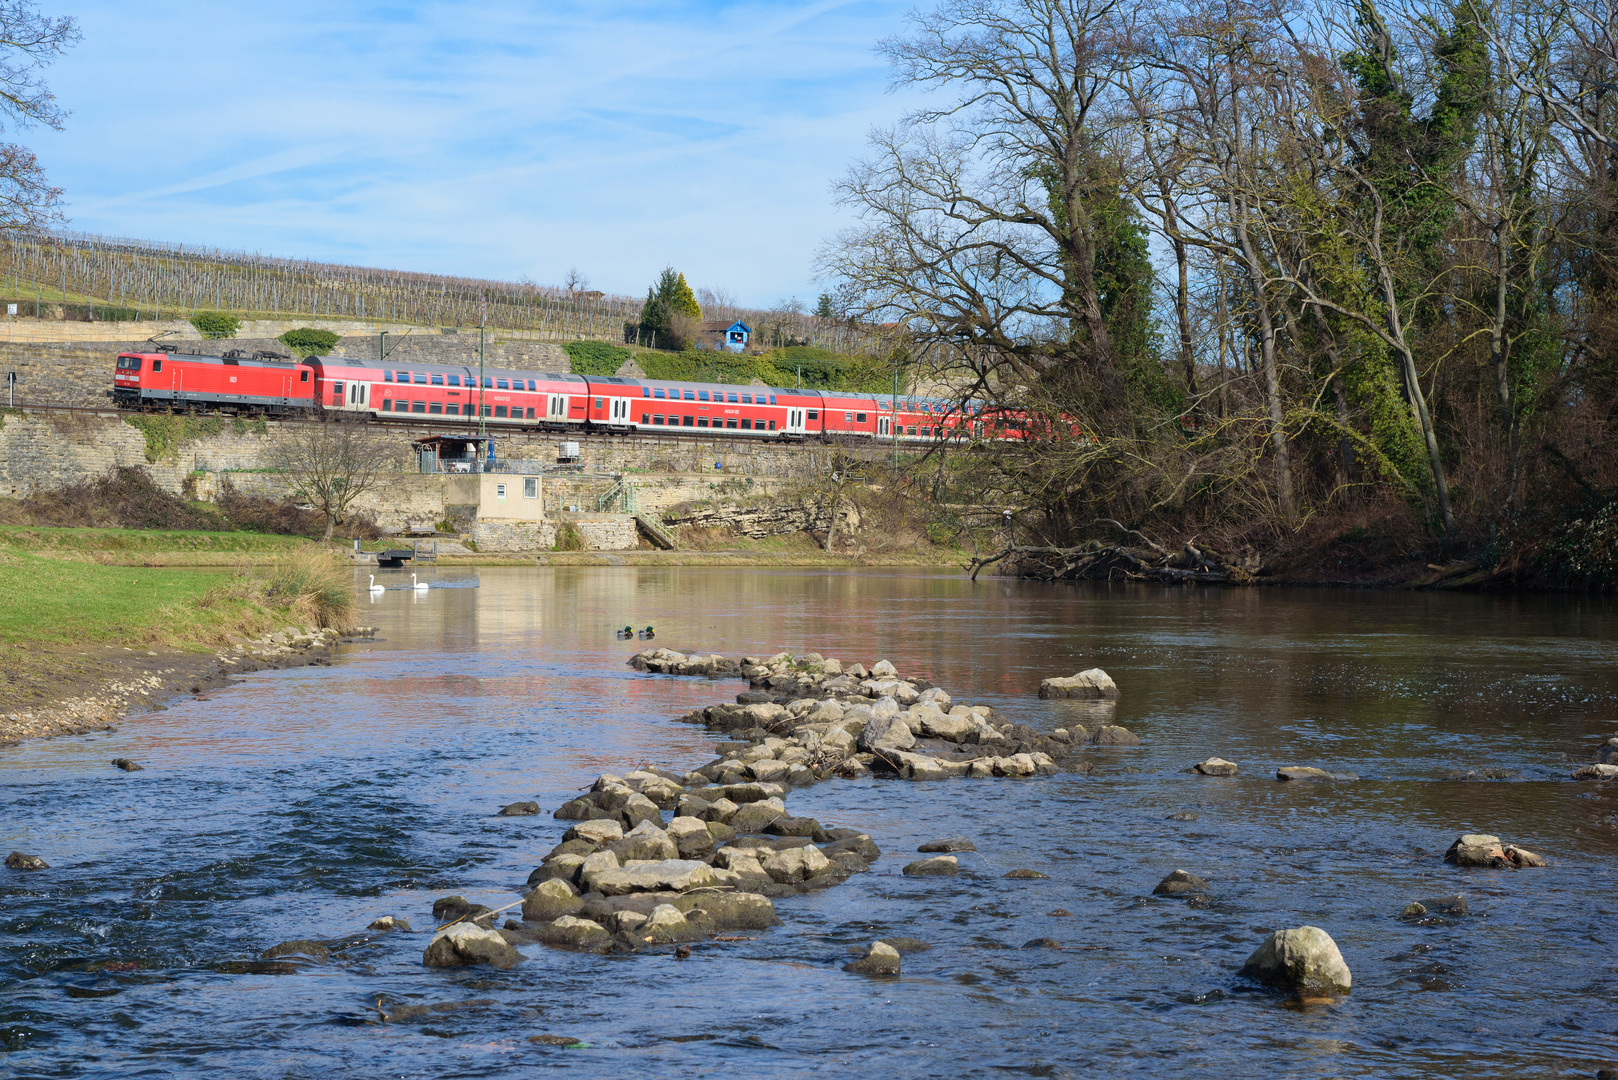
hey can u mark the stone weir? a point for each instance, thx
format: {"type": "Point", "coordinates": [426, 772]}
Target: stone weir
{"type": "Point", "coordinates": [656, 857]}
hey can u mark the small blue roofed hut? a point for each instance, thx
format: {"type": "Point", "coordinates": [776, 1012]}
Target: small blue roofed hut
{"type": "Point", "coordinates": [729, 336]}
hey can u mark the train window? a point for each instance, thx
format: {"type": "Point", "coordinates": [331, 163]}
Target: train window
{"type": "Point", "coordinates": [436, 408]}
{"type": "Point", "coordinates": [418, 406]}
{"type": "Point", "coordinates": [859, 418]}
{"type": "Point", "coordinates": [530, 487]}
{"type": "Point", "coordinates": [772, 425]}
{"type": "Point", "coordinates": [732, 398]}
{"type": "Point", "coordinates": [157, 365]}
{"type": "Point", "coordinates": [387, 376]}
{"type": "Point", "coordinates": [499, 410]}
{"type": "Point", "coordinates": [438, 380]}
{"type": "Point", "coordinates": [530, 384]}
{"type": "Point", "coordinates": [128, 363]}
{"type": "Point", "coordinates": [690, 395]}
{"type": "Point", "coordinates": [454, 380]}
{"type": "Point", "coordinates": [645, 392]}
{"type": "Point", "coordinates": [688, 421]}
{"type": "Point", "coordinates": [814, 414]}
{"type": "Point", "coordinates": [702, 395]}
{"type": "Point", "coordinates": [488, 383]}
{"type": "Point", "coordinates": [658, 394]}
{"type": "Point", "coordinates": [421, 378]}
{"type": "Point", "coordinates": [730, 423]}
{"type": "Point", "coordinates": [882, 405]}
{"type": "Point", "coordinates": [530, 414]}
{"type": "Point", "coordinates": [657, 418]}
{"type": "Point", "coordinates": [911, 430]}
{"type": "Point", "coordinates": [598, 403]}
{"type": "Point", "coordinates": [747, 425]}
{"type": "Point", "coordinates": [487, 411]}
{"type": "Point", "coordinates": [502, 384]}
{"type": "Point", "coordinates": [304, 376]}
{"type": "Point", "coordinates": [848, 418]}
{"type": "Point", "coordinates": [401, 376]}
{"type": "Point", "coordinates": [702, 421]}
{"type": "Point", "coordinates": [646, 418]}
{"type": "Point", "coordinates": [772, 399]}
{"type": "Point", "coordinates": [747, 399]}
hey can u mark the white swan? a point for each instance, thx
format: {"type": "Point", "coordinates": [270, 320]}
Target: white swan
{"type": "Point", "coordinates": [375, 588]}
{"type": "Point", "coordinates": [420, 586]}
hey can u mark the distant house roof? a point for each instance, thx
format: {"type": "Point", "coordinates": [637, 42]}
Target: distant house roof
{"type": "Point", "coordinates": [720, 326]}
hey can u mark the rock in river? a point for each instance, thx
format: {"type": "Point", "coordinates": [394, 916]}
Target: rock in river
{"type": "Point", "coordinates": [1088, 685]}
{"type": "Point", "coordinates": [1182, 883]}
{"type": "Point", "coordinates": [1303, 960]}
{"type": "Point", "coordinates": [18, 861]}
{"type": "Point", "coordinates": [576, 933]}
{"type": "Point", "coordinates": [887, 732]}
{"type": "Point", "coordinates": [959, 843]}
{"type": "Point", "coordinates": [1214, 766]}
{"type": "Point", "coordinates": [938, 866]}
{"type": "Point", "coordinates": [1481, 849]}
{"type": "Point", "coordinates": [795, 864]}
{"type": "Point", "coordinates": [880, 959]}
{"type": "Point", "coordinates": [1305, 772]}
{"type": "Point", "coordinates": [669, 875]}
{"type": "Point", "coordinates": [1113, 735]}
{"type": "Point", "coordinates": [463, 945]}
{"type": "Point", "coordinates": [550, 900]}
{"type": "Point", "coordinates": [520, 809]}
{"type": "Point", "coordinates": [126, 765]}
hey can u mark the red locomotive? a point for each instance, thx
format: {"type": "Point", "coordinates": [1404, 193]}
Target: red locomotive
{"type": "Point", "coordinates": [527, 399]}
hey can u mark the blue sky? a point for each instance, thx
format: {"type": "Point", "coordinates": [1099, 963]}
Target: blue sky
{"type": "Point", "coordinates": [490, 139]}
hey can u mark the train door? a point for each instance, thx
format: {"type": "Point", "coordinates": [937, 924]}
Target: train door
{"type": "Point", "coordinates": [558, 407]}
{"type": "Point", "coordinates": [619, 411]}
{"type": "Point", "coordinates": [795, 421]}
{"type": "Point", "coordinates": [884, 425]}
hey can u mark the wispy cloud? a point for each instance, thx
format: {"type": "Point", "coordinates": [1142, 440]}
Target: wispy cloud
{"type": "Point", "coordinates": [498, 139]}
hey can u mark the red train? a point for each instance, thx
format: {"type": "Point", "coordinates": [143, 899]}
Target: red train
{"type": "Point", "coordinates": [528, 399]}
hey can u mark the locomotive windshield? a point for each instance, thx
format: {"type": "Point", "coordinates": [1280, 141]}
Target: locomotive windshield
{"type": "Point", "coordinates": [129, 363]}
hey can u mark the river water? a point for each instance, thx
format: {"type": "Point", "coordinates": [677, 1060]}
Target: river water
{"type": "Point", "coordinates": [306, 803]}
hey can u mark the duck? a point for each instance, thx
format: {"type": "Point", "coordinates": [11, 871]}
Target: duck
{"type": "Point", "coordinates": [647, 634]}
{"type": "Point", "coordinates": [375, 588]}
{"type": "Point", "coordinates": [626, 632]}
{"type": "Point", "coordinates": [419, 586]}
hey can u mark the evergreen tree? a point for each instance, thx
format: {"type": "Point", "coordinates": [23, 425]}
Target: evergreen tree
{"type": "Point", "coordinates": [668, 297]}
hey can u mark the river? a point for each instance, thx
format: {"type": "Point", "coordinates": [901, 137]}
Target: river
{"type": "Point", "coordinates": [306, 803]}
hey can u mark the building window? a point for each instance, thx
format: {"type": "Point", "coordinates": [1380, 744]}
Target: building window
{"type": "Point", "coordinates": [530, 487]}
{"type": "Point", "coordinates": [418, 406]}
{"type": "Point", "coordinates": [436, 408]}
{"type": "Point", "coordinates": [499, 410]}
{"type": "Point", "coordinates": [499, 491]}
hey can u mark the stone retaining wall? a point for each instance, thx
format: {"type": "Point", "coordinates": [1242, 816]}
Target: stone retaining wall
{"type": "Point", "coordinates": [603, 532]}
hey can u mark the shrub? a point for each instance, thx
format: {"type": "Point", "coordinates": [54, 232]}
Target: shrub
{"type": "Point", "coordinates": [568, 538]}
{"type": "Point", "coordinates": [216, 324]}
{"type": "Point", "coordinates": [307, 341]}
{"type": "Point", "coordinates": [125, 498]}
{"type": "Point", "coordinates": [595, 358]}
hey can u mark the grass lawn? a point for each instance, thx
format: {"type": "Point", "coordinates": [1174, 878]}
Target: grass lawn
{"type": "Point", "coordinates": [142, 541]}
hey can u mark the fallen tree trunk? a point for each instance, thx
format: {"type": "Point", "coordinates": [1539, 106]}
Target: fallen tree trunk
{"type": "Point", "coordinates": [1099, 561]}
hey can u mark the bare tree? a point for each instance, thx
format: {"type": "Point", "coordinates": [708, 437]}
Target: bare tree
{"type": "Point", "coordinates": [29, 42]}
{"type": "Point", "coordinates": [575, 281]}
{"type": "Point", "coordinates": [331, 464]}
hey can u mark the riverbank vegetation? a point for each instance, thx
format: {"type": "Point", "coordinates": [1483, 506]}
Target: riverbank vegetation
{"type": "Point", "coordinates": [789, 366]}
{"type": "Point", "coordinates": [1334, 289]}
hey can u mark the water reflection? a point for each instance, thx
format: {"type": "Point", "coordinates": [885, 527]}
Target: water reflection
{"type": "Point", "coordinates": [307, 803]}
